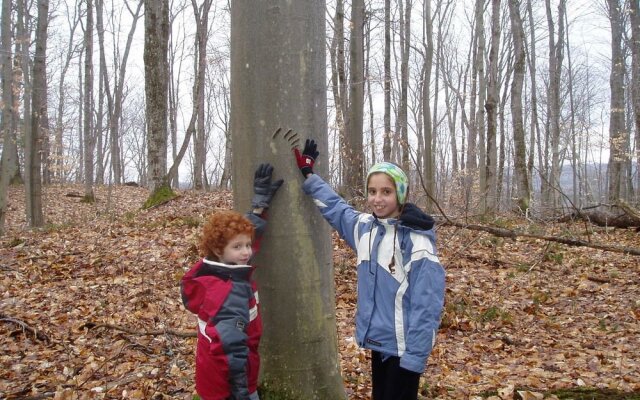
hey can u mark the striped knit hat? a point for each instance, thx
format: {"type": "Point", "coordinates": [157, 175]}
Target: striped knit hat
{"type": "Point", "coordinates": [396, 174]}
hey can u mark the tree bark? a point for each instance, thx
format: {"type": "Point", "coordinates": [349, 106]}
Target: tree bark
{"type": "Point", "coordinates": [492, 107]}
{"type": "Point", "coordinates": [38, 117]}
{"type": "Point", "coordinates": [88, 105]}
{"type": "Point", "coordinates": [428, 161]}
{"type": "Point", "coordinates": [634, 17]}
{"type": "Point", "coordinates": [405, 51]}
{"type": "Point", "coordinates": [278, 72]}
{"type": "Point", "coordinates": [156, 70]}
{"type": "Point", "coordinates": [202, 25]}
{"type": "Point", "coordinates": [9, 147]}
{"type": "Point", "coordinates": [617, 128]}
{"type": "Point", "coordinates": [353, 172]}
{"type": "Point", "coordinates": [556, 54]}
{"type": "Point", "coordinates": [520, 153]}
{"type": "Point", "coordinates": [386, 144]}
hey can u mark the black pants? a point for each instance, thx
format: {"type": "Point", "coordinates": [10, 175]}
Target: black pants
{"type": "Point", "coordinates": [392, 382]}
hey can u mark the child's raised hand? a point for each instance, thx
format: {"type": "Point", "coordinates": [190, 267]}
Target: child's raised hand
{"type": "Point", "coordinates": [263, 188]}
{"type": "Point", "coordinates": [308, 157]}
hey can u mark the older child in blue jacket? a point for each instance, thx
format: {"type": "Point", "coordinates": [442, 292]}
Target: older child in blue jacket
{"type": "Point", "coordinates": [400, 280]}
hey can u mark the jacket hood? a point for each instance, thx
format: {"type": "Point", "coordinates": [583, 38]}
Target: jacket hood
{"type": "Point", "coordinates": [414, 218]}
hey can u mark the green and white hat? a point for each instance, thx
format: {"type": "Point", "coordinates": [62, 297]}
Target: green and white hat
{"type": "Point", "coordinates": [396, 174]}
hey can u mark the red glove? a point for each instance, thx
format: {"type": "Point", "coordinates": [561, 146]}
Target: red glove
{"type": "Point", "coordinates": [308, 157]}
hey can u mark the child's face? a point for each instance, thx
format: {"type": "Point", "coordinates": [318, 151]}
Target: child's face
{"type": "Point", "coordinates": [238, 251]}
{"type": "Point", "coordinates": [381, 196]}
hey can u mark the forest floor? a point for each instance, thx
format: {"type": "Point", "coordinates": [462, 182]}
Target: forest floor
{"type": "Point", "coordinates": [524, 318]}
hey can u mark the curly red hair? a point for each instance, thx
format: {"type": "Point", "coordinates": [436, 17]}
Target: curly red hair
{"type": "Point", "coordinates": [220, 228]}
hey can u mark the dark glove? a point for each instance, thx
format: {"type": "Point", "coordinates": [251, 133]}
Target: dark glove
{"type": "Point", "coordinates": [308, 157]}
{"type": "Point", "coordinates": [263, 188]}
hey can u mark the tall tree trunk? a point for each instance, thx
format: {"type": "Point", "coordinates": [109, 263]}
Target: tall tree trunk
{"type": "Point", "coordinates": [386, 144]}
{"type": "Point", "coordinates": [492, 108]}
{"type": "Point", "coordinates": [534, 128]}
{"type": "Point", "coordinates": [88, 105]}
{"type": "Point", "coordinates": [58, 155]}
{"type": "Point", "coordinates": [634, 17]}
{"type": "Point", "coordinates": [24, 68]}
{"type": "Point", "coordinates": [556, 54]}
{"type": "Point", "coordinates": [353, 172]}
{"type": "Point", "coordinates": [405, 51]}
{"type": "Point", "coordinates": [520, 153]}
{"type": "Point", "coordinates": [299, 349]}
{"type": "Point", "coordinates": [480, 125]}
{"type": "Point", "coordinates": [339, 82]}
{"type": "Point", "coordinates": [33, 160]}
{"type": "Point", "coordinates": [428, 163]}
{"type": "Point", "coordinates": [202, 25]}
{"type": "Point", "coordinates": [9, 148]}
{"type": "Point", "coordinates": [156, 69]}
{"type": "Point", "coordinates": [617, 127]}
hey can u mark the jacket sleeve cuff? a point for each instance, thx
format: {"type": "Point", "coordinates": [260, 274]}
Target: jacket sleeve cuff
{"type": "Point", "coordinates": [412, 363]}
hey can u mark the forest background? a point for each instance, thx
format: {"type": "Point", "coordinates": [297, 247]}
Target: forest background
{"type": "Point", "coordinates": [515, 120]}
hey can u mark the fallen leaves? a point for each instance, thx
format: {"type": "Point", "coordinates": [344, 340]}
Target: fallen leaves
{"type": "Point", "coordinates": [521, 317]}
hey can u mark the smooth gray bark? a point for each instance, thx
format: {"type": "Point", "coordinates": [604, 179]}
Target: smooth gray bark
{"type": "Point", "coordinates": [278, 79]}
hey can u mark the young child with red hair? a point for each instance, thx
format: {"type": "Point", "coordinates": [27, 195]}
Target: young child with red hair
{"type": "Point", "coordinates": [220, 291]}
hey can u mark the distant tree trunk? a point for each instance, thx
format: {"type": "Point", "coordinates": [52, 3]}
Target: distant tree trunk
{"type": "Point", "coordinates": [339, 82]}
{"type": "Point", "coordinates": [428, 161]}
{"type": "Point", "coordinates": [520, 153]}
{"type": "Point", "coordinates": [367, 73]}
{"type": "Point", "coordinates": [299, 349]}
{"type": "Point", "coordinates": [9, 148]}
{"type": "Point", "coordinates": [617, 127]}
{"type": "Point", "coordinates": [88, 105]}
{"type": "Point", "coordinates": [534, 132]}
{"type": "Point", "coordinates": [386, 144]}
{"type": "Point", "coordinates": [479, 66]}
{"type": "Point", "coordinates": [156, 70]}
{"type": "Point", "coordinates": [405, 50]}
{"type": "Point", "coordinates": [199, 144]}
{"type": "Point", "coordinates": [492, 108]}
{"type": "Point", "coordinates": [353, 172]}
{"type": "Point", "coordinates": [33, 160]}
{"type": "Point", "coordinates": [634, 15]}
{"type": "Point", "coordinates": [24, 67]}
{"type": "Point", "coordinates": [58, 155]}
{"type": "Point", "coordinates": [556, 54]}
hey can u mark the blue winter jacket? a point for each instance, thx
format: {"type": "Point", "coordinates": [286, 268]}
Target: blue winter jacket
{"type": "Point", "coordinates": [399, 303]}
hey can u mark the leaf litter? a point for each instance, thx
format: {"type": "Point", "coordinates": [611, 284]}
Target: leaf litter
{"type": "Point", "coordinates": [521, 317]}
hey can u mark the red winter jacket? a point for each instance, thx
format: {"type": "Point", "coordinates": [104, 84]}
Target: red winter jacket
{"type": "Point", "coordinates": [225, 299]}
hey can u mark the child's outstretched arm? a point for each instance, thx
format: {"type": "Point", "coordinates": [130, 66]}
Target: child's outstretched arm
{"type": "Point", "coordinates": [263, 191]}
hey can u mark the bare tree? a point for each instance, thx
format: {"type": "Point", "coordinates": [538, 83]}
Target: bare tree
{"type": "Point", "coordinates": [428, 161]}
{"type": "Point", "coordinates": [201, 13]}
{"type": "Point", "coordinates": [556, 55]}
{"type": "Point", "coordinates": [386, 146]}
{"type": "Point", "coordinates": [9, 148]}
{"type": "Point", "coordinates": [38, 117]}
{"type": "Point", "coordinates": [405, 52]}
{"type": "Point", "coordinates": [492, 107]}
{"type": "Point", "coordinates": [156, 70]}
{"type": "Point", "coordinates": [634, 17]}
{"type": "Point", "coordinates": [352, 150]}
{"type": "Point", "coordinates": [617, 127]}
{"type": "Point", "coordinates": [520, 153]}
{"type": "Point", "coordinates": [88, 105]}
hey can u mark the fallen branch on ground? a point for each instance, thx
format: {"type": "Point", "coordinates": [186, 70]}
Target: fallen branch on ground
{"type": "Point", "coordinates": [173, 332]}
{"type": "Point", "coordinates": [25, 328]}
{"type": "Point", "coordinates": [511, 234]}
